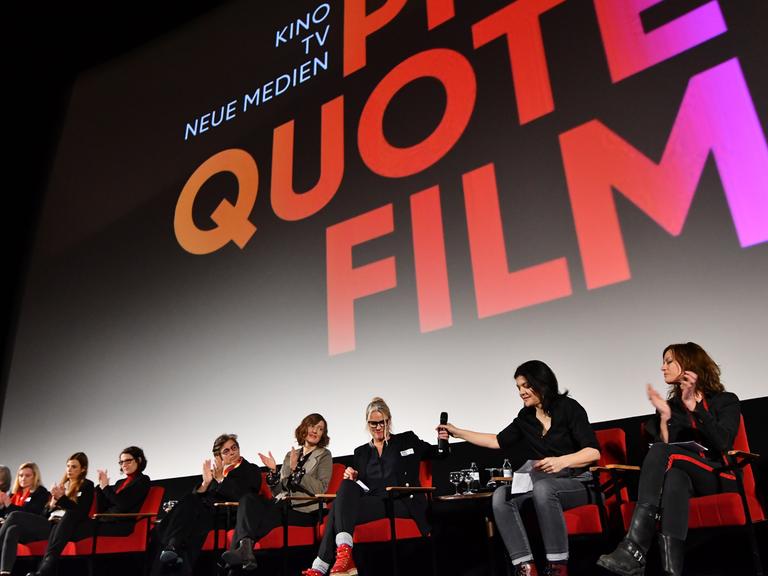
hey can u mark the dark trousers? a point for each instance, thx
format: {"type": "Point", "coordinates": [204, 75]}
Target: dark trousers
{"type": "Point", "coordinates": [353, 506]}
{"type": "Point", "coordinates": [256, 517]}
{"type": "Point", "coordinates": [670, 476]}
{"type": "Point", "coordinates": [25, 527]}
{"type": "Point", "coordinates": [187, 526]}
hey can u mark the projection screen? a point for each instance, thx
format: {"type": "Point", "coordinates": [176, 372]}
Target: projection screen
{"type": "Point", "coordinates": [285, 208]}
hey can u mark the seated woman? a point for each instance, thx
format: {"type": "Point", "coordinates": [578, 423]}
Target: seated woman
{"type": "Point", "coordinates": [70, 503]}
{"type": "Point", "coordinates": [387, 459]}
{"type": "Point", "coordinates": [227, 479]}
{"type": "Point", "coordinates": [305, 471]}
{"type": "Point", "coordinates": [555, 432]}
{"type": "Point", "coordinates": [126, 495]}
{"type": "Point", "coordinates": [27, 494]}
{"type": "Point", "coordinates": [697, 408]}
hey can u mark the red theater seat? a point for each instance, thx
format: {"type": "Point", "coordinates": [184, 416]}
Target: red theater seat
{"type": "Point", "coordinates": [597, 518]}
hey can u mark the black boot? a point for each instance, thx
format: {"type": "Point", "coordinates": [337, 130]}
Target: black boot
{"type": "Point", "coordinates": [672, 552]}
{"type": "Point", "coordinates": [242, 555]}
{"type": "Point", "coordinates": [47, 566]}
{"type": "Point", "coordinates": [629, 557]}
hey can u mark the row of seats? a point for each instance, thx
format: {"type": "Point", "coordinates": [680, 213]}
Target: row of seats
{"type": "Point", "coordinates": [606, 517]}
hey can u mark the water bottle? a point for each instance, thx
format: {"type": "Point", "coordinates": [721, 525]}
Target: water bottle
{"type": "Point", "coordinates": [506, 469]}
{"type": "Point", "coordinates": [474, 484]}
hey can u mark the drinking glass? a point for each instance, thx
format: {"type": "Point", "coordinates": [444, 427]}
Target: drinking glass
{"type": "Point", "coordinates": [456, 478]}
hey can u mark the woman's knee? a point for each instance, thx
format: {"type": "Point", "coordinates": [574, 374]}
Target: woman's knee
{"type": "Point", "coordinates": [501, 499]}
{"type": "Point", "coordinates": [544, 490]}
{"type": "Point", "coordinates": [348, 488]}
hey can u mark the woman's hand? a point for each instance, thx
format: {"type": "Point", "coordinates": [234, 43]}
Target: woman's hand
{"type": "Point", "coordinates": [103, 479]}
{"type": "Point", "coordinates": [448, 429]}
{"type": "Point", "coordinates": [689, 395]}
{"type": "Point", "coordinates": [350, 473]}
{"type": "Point", "coordinates": [659, 403]}
{"type": "Point", "coordinates": [551, 464]}
{"type": "Point", "coordinates": [57, 491]}
{"type": "Point", "coordinates": [5, 500]}
{"type": "Point", "coordinates": [268, 461]}
{"type": "Point", "coordinates": [293, 459]}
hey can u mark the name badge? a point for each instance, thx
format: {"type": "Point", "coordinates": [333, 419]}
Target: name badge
{"type": "Point", "coordinates": [406, 452]}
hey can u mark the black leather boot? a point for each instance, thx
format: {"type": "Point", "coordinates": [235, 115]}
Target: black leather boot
{"type": "Point", "coordinates": [242, 555]}
{"type": "Point", "coordinates": [672, 552]}
{"type": "Point", "coordinates": [629, 557]}
{"type": "Point", "coordinates": [47, 566]}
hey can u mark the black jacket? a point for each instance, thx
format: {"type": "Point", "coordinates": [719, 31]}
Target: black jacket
{"type": "Point", "coordinates": [34, 503]}
{"type": "Point", "coordinates": [243, 480]}
{"type": "Point", "coordinates": [125, 501]}
{"type": "Point", "coordinates": [714, 423]}
{"type": "Point", "coordinates": [80, 507]}
{"type": "Point", "coordinates": [410, 450]}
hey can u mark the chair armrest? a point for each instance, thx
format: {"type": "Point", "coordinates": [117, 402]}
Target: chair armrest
{"type": "Point", "coordinates": [325, 497]}
{"type": "Point", "coordinates": [615, 468]}
{"type": "Point", "coordinates": [226, 504]}
{"type": "Point", "coordinates": [303, 498]}
{"type": "Point", "coordinates": [123, 516]}
{"type": "Point", "coordinates": [741, 455]}
{"type": "Point", "coordinates": [410, 489]}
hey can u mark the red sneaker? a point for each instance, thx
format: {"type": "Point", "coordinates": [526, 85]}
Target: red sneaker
{"type": "Point", "coordinates": [345, 564]}
{"type": "Point", "coordinates": [311, 572]}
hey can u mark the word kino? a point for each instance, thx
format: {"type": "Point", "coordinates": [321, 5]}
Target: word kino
{"type": "Point", "coordinates": [716, 116]}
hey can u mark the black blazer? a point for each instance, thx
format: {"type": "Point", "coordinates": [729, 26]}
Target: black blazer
{"type": "Point", "coordinates": [716, 420]}
{"type": "Point", "coordinates": [244, 479]}
{"type": "Point", "coordinates": [410, 450]}
{"type": "Point", "coordinates": [126, 501]}
{"type": "Point", "coordinates": [34, 503]}
{"type": "Point", "coordinates": [82, 506]}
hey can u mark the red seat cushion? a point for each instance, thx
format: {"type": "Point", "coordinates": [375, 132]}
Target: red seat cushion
{"type": "Point", "coordinates": [583, 520]}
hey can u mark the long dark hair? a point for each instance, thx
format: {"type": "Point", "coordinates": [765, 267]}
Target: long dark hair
{"type": "Point", "coordinates": [543, 382]}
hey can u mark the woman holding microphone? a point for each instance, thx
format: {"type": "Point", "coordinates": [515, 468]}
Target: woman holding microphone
{"type": "Point", "coordinates": [555, 432]}
{"type": "Point", "coordinates": [387, 459]}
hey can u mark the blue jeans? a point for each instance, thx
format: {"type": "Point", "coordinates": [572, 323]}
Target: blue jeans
{"type": "Point", "coordinates": [550, 496]}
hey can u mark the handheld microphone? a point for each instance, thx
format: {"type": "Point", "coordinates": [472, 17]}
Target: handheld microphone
{"type": "Point", "coordinates": [442, 445]}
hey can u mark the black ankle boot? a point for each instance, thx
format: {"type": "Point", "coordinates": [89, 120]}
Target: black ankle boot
{"type": "Point", "coordinates": [47, 566]}
{"type": "Point", "coordinates": [242, 555]}
{"type": "Point", "coordinates": [672, 552]}
{"type": "Point", "coordinates": [629, 557]}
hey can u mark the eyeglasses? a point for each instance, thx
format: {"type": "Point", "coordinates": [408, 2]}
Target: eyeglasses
{"type": "Point", "coordinates": [228, 451]}
{"type": "Point", "coordinates": [126, 461]}
{"type": "Point", "coordinates": [377, 423]}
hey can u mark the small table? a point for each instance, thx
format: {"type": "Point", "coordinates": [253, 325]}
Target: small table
{"type": "Point", "coordinates": [481, 499]}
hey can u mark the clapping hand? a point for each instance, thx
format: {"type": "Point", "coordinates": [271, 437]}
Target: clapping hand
{"type": "Point", "coordinates": [207, 473]}
{"type": "Point", "coordinates": [103, 479]}
{"type": "Point", "coordinates": [218, 469]}
{"type": "Point", "coordinates": [294, 458]}
{"type": "Point", "coordinates": [689, 395]}
{"type": "Point", "coordinates": [658, 401]}
{"type": "Point", "coordinates": [268, 461]}
{"type": "Point", "coordinates": [57, 491]}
